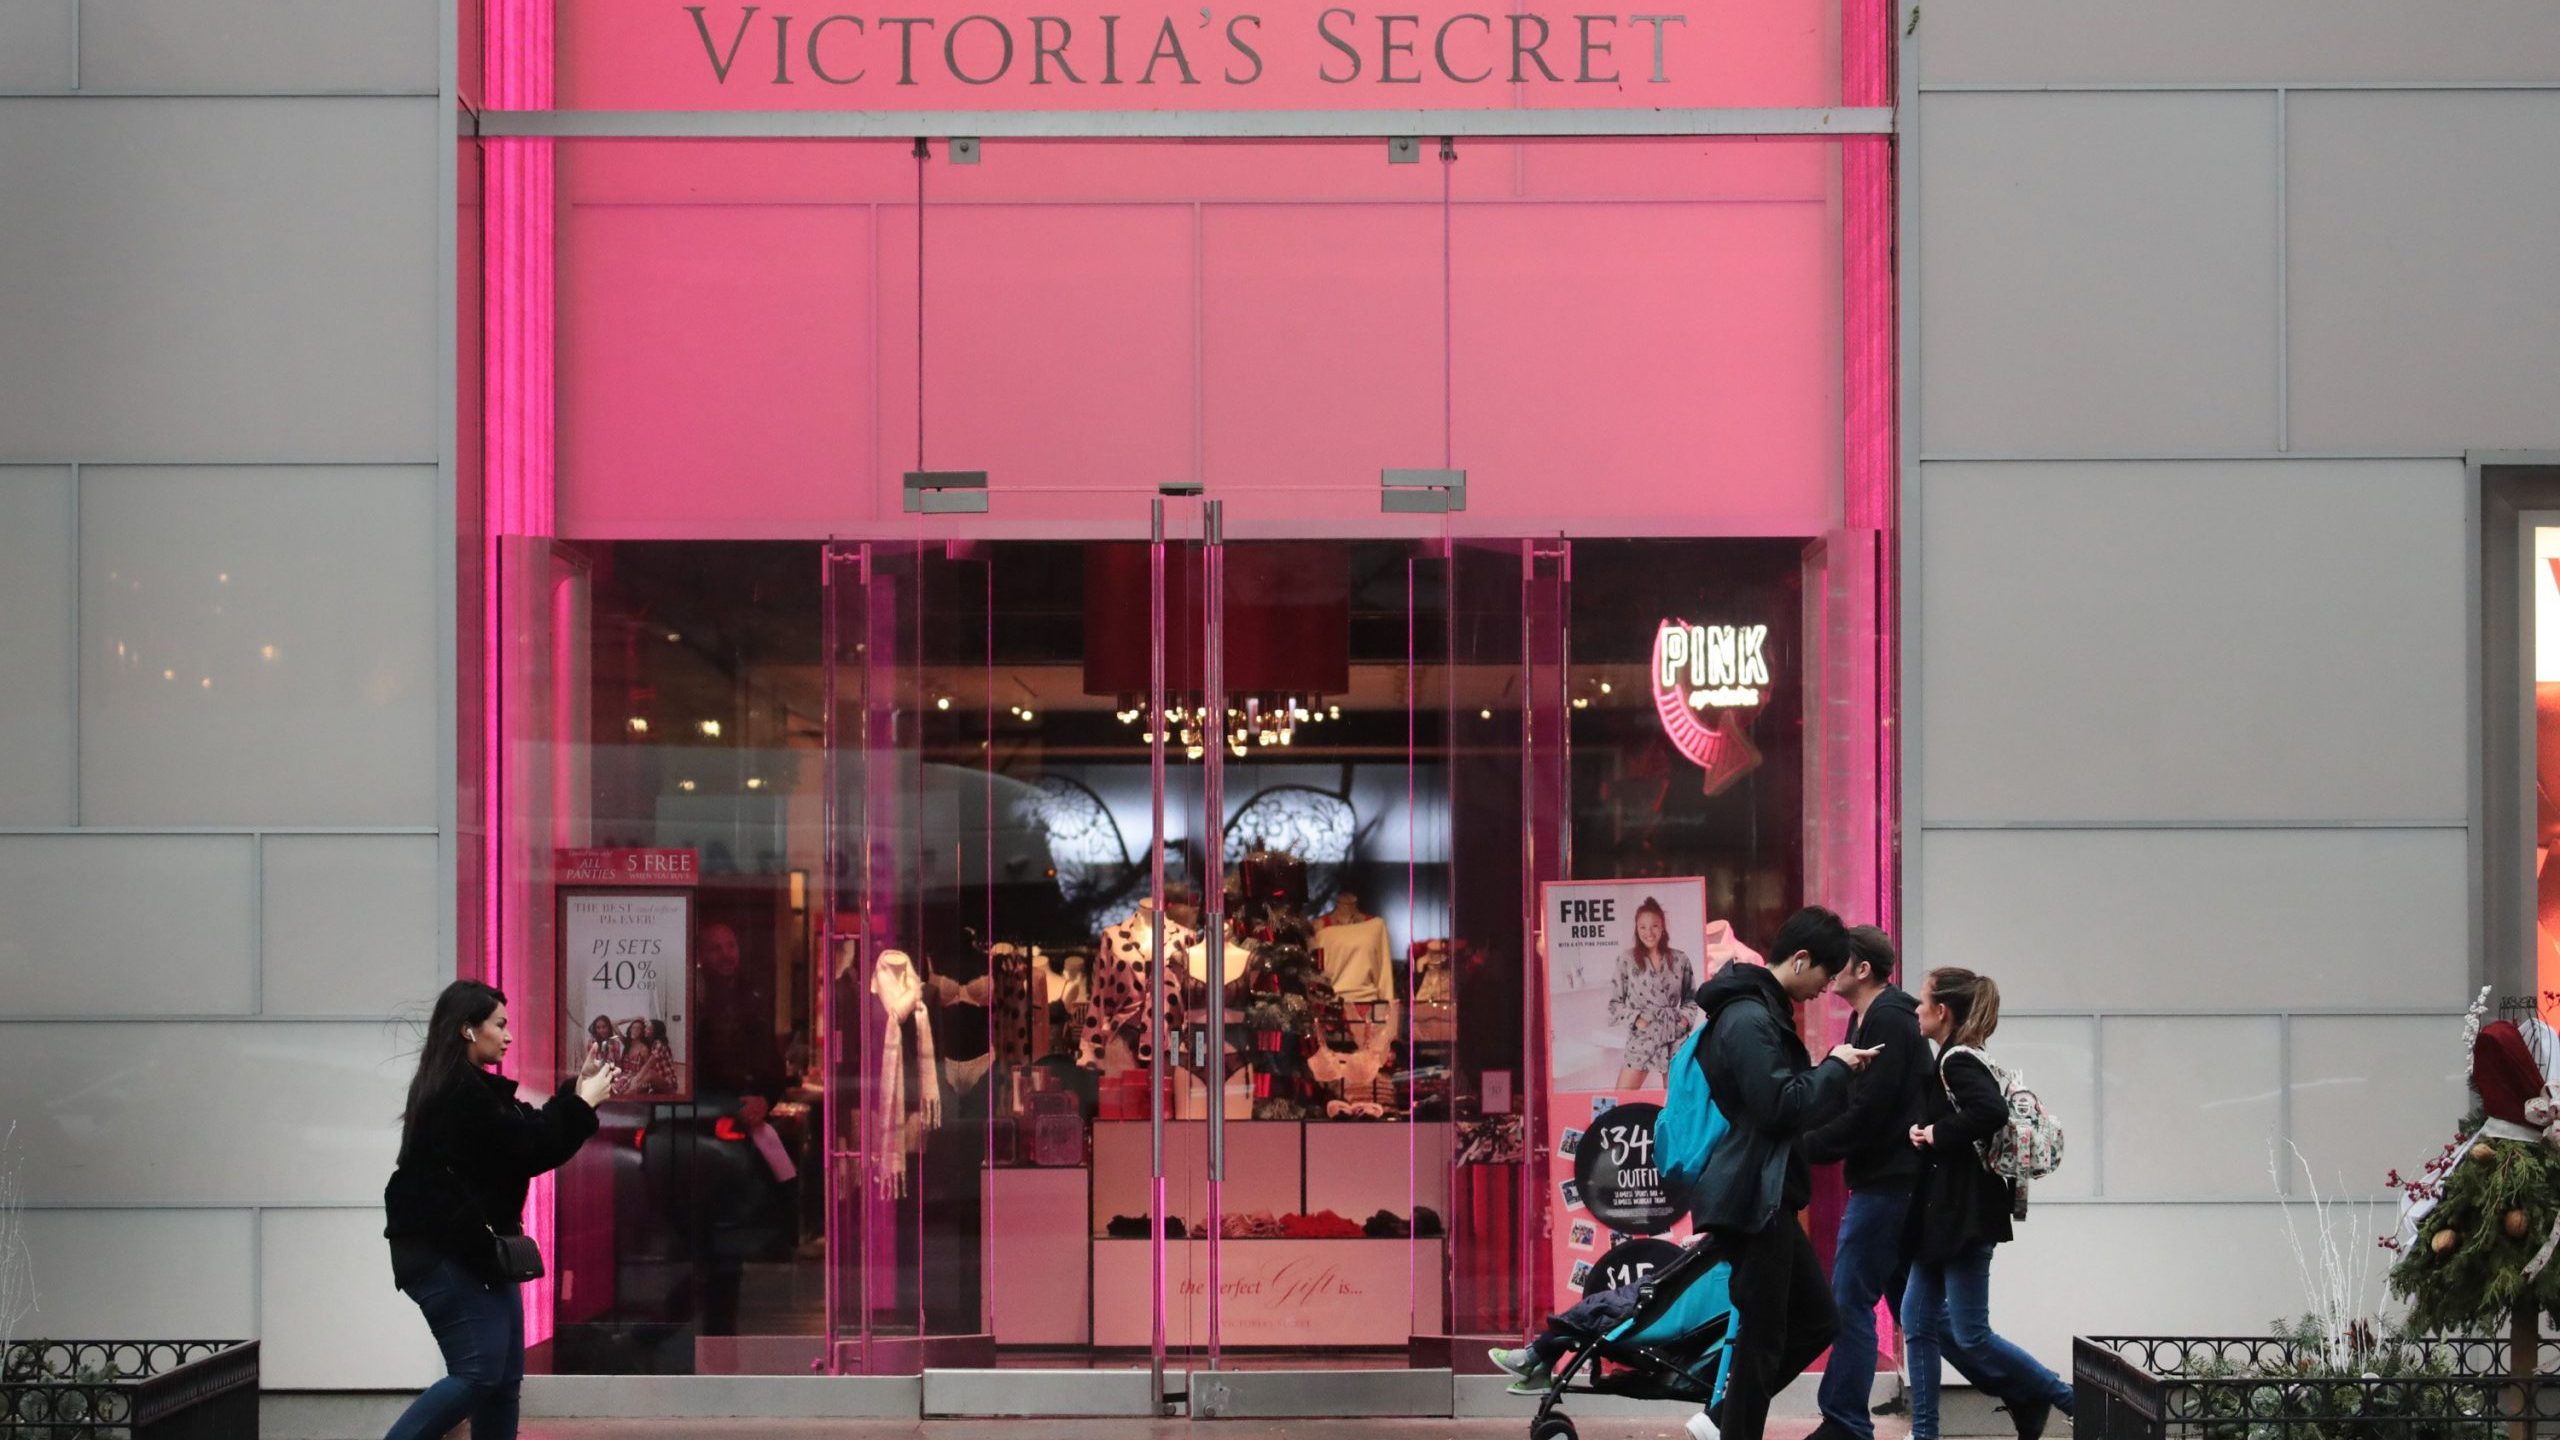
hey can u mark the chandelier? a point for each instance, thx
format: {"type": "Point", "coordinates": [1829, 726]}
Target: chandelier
{"type": "Point", "coordinates": [1285, 640]}
{"type": "Point", "coordinates": [1266, 722]}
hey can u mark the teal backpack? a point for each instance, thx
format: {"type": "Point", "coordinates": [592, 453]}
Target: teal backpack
{"type": "Point", "coordinates": [1691, 1124]}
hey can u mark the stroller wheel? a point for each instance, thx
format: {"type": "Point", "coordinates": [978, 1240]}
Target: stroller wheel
{"type": "Point", "coordinates": [1554, 1427]}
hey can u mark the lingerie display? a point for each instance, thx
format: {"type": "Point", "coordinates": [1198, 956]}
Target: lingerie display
{"type": "Point", "coordinates": [1015, 1009]}
{"type": "Point", "coordinates": [1059, 995]}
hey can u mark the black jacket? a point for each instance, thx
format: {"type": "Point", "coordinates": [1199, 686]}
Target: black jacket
{"type": "Point", "coordinates": [467, 1162]}
{"type": "Point", "coordinates": [1959, 1204]}
{"type": "Point", "coordinates": [1873, 1136]}
{"type": "Point", "coordinates": [1763, 1081]}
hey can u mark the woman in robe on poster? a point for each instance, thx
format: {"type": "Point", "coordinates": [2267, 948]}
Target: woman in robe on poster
{"type": "Point", "coordinates": [1651, 998]}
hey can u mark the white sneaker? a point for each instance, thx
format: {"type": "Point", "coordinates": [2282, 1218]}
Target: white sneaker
{"type": "Point", "coordinates": [1702, 1428]}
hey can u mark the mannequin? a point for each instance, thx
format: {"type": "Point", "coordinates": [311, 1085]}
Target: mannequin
{"type": "Point", "coordinates": [1431, 979]}
{"type": "Point", "coordinates": [901, 993]}
{"type": "Point", "coordinates": [1059, 978]}
{"type": "Point", "coordinates": [1195, 962]}
{"type": "Point", "coordinates": [1354, 947]}
{"type": "Point", "coordinates": [1120, 1008]}
{"type": "Point", "coordinates": [1012, 970]}
{"type": "Point", "coordinates": [1290, 1012]}
{"type": "Point", "coordinates": [1723, 948]}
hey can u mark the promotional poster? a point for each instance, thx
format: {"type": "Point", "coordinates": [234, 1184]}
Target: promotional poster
{"type": "Point", "coordinates": [1623, 958]}
{"type": "Point", "coordinates": [626, 987]}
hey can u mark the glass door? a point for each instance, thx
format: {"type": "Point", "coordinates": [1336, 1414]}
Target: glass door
{"type": "Point", "coordinates": [1019, 740]}
{"type": "Point", "coordinates": [1180, 967]}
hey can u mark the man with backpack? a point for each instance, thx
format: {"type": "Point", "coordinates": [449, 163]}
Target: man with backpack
{"type": "Point", "coordinates": [1755, 1178]}
{"type": "Point", "coordinates": [1871, 1141]}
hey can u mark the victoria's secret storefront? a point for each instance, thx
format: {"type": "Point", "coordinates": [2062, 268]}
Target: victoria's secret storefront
{"type": "Point", "coordinates": [1030, 679]}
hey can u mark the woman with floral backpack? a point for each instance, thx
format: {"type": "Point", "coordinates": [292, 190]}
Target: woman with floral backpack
{"type": "Point", "coordinates": [1960, 1210]}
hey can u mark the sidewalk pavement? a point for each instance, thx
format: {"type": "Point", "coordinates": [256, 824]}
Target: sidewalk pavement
{"type": "Point", "coordinates": [1667, 1428]}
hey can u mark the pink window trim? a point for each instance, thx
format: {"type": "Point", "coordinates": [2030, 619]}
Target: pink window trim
{"type": "Point", "coordinates": [516, 462]}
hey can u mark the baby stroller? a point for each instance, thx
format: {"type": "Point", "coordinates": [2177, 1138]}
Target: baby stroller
{"type": "Point", "coordinates": [1665, 1341]}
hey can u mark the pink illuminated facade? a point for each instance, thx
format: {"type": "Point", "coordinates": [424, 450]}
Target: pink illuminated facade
{"type": "Point", "coordinates": [792, 536]}
{"type": "Point", "coordinates": [980, 486]}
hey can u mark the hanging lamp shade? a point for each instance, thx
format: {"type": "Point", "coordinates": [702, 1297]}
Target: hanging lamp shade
{"type": "Point", "coordinates": [1288, 619]}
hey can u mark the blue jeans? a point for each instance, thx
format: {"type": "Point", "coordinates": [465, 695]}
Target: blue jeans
{"type": "Point", "coordinates": [1863, 1270]}
{"type": "Point", "coordinates": [480, 1329]}
{"type": "Point", "coordinates": [1947, 1308]}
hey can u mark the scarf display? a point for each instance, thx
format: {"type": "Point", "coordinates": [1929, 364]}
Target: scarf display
{"type": "Point", "coordinates": [901, 993]}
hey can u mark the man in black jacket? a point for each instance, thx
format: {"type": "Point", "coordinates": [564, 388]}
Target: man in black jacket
{"type": "Point", "coordinates": [1756, 1178]}
{"type": "Point", "coordinates": [1872, 1141]}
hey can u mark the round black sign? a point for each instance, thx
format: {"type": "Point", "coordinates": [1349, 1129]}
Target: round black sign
{"type": "Point", "coordinates": [1620, 1176]}
{"type": "Point", "coordinates": [1630, 1262]}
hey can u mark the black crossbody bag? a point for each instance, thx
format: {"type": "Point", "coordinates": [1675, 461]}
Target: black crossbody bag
{"type": "Point", "coordinates": [514, 1256]}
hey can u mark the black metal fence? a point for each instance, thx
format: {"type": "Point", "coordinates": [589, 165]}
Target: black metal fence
{"type": "Point", "coordinates": [2214, 1388]}
{"type": "Point", "coordinates": [129, 1390]}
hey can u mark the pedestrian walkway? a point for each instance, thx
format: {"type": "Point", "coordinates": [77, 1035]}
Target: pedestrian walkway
{"type": "Point", "coordinates": [1668, 1427]}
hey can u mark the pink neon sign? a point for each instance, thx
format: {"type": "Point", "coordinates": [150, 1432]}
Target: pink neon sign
{"type": "Point", "coordinates": [1718, 669]}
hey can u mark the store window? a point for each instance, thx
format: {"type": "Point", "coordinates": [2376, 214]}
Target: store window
{"type": "Point", "coordinates": [952, 579]}
{"type": "Point", "coordinates": [1376, 743]}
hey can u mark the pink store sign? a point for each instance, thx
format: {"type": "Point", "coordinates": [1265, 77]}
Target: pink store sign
{"type": "Point", "coordinates": [1052, 55]}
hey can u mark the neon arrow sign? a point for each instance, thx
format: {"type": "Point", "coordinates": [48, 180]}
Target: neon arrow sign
{"type": "Point", "coordinates": [1698, 668]}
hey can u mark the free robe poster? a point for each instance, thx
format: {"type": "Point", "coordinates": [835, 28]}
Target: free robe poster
{"type": "Point", "coordinates": [1622, 960]}
{"type": "Point", "coordinates": [626, 960]}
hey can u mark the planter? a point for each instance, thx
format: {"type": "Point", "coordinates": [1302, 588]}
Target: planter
{"type": "Point", "coordinates": [129, 1390]}
{"type": "Point", "coordinates": [2212, 1388]}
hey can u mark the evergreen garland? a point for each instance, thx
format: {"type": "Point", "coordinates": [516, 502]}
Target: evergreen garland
{"type": "Point", "coordinates": [2472, 1284]}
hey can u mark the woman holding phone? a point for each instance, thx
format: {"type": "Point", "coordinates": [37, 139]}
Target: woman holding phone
{"type": "Point", "coordinates": [1959, 1211]}
{"type": "Point", "coordinates": [468, 1149]}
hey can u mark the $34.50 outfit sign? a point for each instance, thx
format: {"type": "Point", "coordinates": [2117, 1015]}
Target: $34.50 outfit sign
{"type": "Point", "coordinates": [626, 985]}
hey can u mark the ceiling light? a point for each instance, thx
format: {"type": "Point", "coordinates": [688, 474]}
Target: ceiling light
{"type": "Point", "coordinates": [755, 782]}
{"type": "Point", "coordinates": [639, 724]}
{"type": "Point", "coordinates": [1604, 687]}
{"type": "Point", "coordinates": [1484, 714]}
{"type": "Point", "coordinates": [942, 702]}
{"type": "Point", "coordinates": [674, 637]}
{"type": "Point", "coordinates": [711, 728]}
{"type": "Point", "coordinates": [684, 785]}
